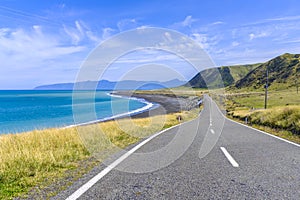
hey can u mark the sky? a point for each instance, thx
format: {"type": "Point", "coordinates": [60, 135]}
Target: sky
{"type": "Point", "coordinates": [45, 42]}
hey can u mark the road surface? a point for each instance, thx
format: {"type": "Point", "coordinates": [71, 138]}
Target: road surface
{"type": "Point", "coordinates": [241, 163]}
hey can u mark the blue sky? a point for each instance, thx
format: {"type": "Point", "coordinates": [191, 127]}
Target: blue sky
{"type": "Point", "coordinates": [44, 42]}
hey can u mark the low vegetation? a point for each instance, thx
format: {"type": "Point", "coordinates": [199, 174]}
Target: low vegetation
{"type": "Point", "coordinates": [282, 118]}
{"type": "Point", "coordinates": [39, 158]}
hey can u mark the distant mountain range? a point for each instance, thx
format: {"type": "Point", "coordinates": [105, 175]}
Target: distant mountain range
{"type": "Point", "coordinates": [110, 85]}
{"type": "Point", "coordinates": [284, 72]}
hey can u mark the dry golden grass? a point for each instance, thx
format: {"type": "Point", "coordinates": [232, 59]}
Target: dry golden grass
{"type": "Point", "coordinates": [28, 159]}
{"type": "Point", "coordinates": [282, 121]}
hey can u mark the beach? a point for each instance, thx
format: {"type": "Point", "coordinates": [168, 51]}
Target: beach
{"type": "Point", "coordinates": [166, 103]}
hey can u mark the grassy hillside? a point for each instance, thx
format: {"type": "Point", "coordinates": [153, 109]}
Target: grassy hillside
{"type": "Point", "coordinates": [284, 72]}
{"type": "Point", "coordinates": [240, 71]}
{"type": "Point", "coordinates": [229, 76]}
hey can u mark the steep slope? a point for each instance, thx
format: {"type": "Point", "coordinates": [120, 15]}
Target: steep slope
{"type": "Point", "coordinates": [284, 72]}
{"type": "Point", "coordinates": [229, 75]}
{"type": "Point", "coordinates": [240, 71]}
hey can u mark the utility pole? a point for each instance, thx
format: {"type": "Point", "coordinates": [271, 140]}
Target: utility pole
{"type": "Point", "coordinates": [297, 83]}
{"type": "Point", "coordinates": [266, 90]}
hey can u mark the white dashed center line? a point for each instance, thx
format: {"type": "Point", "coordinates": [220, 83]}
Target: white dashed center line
{"type": "Point", "coordinates": [229, 157]}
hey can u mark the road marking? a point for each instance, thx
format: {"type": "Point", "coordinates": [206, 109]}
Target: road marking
{"type": "Point", "coordinates": [269, 134]}
{"type": "Point", "coordinates": [101, 174]}
{"type": "Point", "coordinates": [212, 131]}
{"type": "Point", "coordinates": [229, 157]}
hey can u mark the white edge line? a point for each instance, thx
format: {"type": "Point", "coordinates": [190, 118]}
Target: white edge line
{"type": "Point", "coordinates": [96, 178]}
{"type": "Point", "coordinates": [229, 157]}
{"type": "Point", "coordinates": [274, 136]}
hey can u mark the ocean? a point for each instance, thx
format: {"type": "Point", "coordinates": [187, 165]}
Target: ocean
{"type": "Point", "coordinates": [28, 110]}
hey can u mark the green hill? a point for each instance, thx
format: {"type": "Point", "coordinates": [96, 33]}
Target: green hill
{"type": "Point", "coordinates": [283, 73]}
{"type": "Point", "coordinates": [229, 74]}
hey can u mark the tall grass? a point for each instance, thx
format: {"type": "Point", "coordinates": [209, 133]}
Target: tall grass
{"type": "Point", "coordinates": [286, 118]}
{"type": "Point", "coordinates": [28, 159]}
{"type": "Point", "coordinates": [282, 117]}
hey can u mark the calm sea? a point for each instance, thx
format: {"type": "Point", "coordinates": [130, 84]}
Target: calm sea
{"type": "Point", "coordinates": [31, 109]}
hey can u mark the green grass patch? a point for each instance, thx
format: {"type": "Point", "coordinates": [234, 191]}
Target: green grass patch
{"type": "Point", "coordinates": [282, 118]}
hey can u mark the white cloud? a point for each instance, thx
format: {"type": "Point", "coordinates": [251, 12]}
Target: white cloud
{"type": "Point", "coordinates": [80, 32]}
{"type": "Point", "coordinates": [188, 21]}
{"type": "Point", "coordinates": [79, 27]}
{"type": "Point", "coordinates": [258, 35]}
{"type": "Point", "coordinates": [235, 44]}
{"type": "Point", "coordinates": [73, 34]}
{"type": "Point", "coordinates": [107, 32]}
{"type": "Point", "coordinates": [126, 24]}
{"type": "Point", "coordinates": [217, 23]}
{"type": "Point", "coordinates": [286, 18]}
{"type": "Point", "coordinates": [202, 39]}
{"type": "Point", "coordinates": [32, 56]}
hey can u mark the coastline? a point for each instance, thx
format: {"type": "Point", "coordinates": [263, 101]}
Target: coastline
{"type": "Point", "coordinates": [44, 145]}
{"type": "Point", "coordinates": [170, 104]}
{"type": "Point", "coordinates": [138, 112]}
{"type": "Point", "coordinates": [155, 105]}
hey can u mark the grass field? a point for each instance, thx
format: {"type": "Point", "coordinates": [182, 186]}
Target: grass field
{"type": "Point", "coordinates": [281, 118]}
{"type": "Point", "coordinates": [39, 158]}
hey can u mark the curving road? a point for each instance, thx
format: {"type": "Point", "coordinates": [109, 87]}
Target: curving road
{"type": "Point", "coordinates": [211, 157]}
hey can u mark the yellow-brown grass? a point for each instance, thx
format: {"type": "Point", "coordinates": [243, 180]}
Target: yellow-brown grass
{"type": "Point", "coordinates": [282, 121]}
{"type": "Point", "coordinates": [28, 159]}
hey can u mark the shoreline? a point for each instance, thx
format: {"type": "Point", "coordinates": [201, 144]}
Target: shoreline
{"type": "Point", "coordinates": [170, 104]}
{"type": "Point", "coordinates": [159, 103]}
{"type": "Point", "coordinates": [156, 104]}
{"type": "Point", "coordinates": [149, 106]}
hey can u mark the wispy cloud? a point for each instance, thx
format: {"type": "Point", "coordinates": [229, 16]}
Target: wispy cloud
{"type": "Point", "coordinates": [126, 24]}
{"type": "Point", "coordinates": [80, 32]}
{"type": "Point", "coordinates": [36, 52]}
{"type": "Point", "coordinates": [285, 18]}
{"type": "Point", "coordinates": [188, 21]}
{"type": "Point", "coordinates": [107, 32]}
{"type": "Point", "coordinates": [258, 35]}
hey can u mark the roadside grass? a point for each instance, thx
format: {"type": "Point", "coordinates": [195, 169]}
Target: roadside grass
{"type": "Point", "coordinates": [256, 99]}
{"type": "Point", "coordinates": [42, 157]}
{"type": "Point", "coordinates": [282, 118]}
{"type": "Point", "coordinates": [277, 132]}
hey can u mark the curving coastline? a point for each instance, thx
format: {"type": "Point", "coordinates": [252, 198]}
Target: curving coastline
{"type": "Point", "coordinates": [170, 104]}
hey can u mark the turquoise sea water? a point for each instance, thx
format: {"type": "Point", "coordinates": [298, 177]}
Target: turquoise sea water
{"type": "Point", "coordinates": [31, 109]}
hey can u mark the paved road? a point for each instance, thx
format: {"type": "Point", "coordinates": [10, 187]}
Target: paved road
{"type": "Point", "coordinates": [242, 164]}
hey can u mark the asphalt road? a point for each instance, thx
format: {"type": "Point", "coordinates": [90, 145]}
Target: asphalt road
{"type": "Point", "coordinates": [211, 157]}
